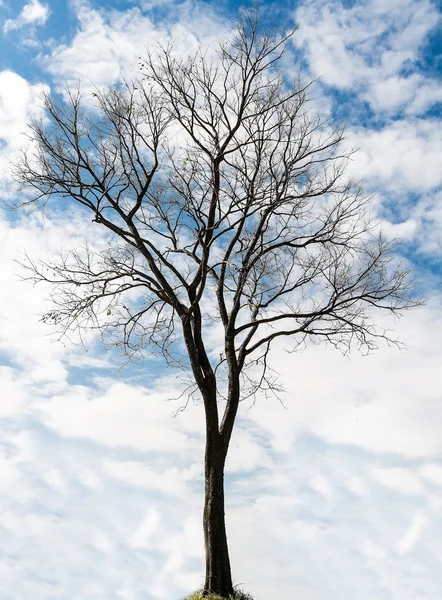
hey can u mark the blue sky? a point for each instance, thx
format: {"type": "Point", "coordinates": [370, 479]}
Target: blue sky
{"type": "Point", "coordinates": [337, 495]}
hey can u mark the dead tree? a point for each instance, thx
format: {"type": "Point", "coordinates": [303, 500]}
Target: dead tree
{"type": "Point", "coordinates": [227, 205]}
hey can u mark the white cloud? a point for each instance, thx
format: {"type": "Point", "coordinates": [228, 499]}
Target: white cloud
{"type": "Point", "coordinates": [372, 551]}
{"type": "Point", "coordinates": [428, 214]}
{"type": "Point", "coordinates": [9, 474]}
{"type": "Point", "coordinates": [117, 415]}
{"type": "Point", "coordinates": [374, 51]}
{"type": "Point", "coordinates": [321, 485]}
{"type": "Point", "coordinates": [402, 480]}
{"type": "Point", "coordinates": [387, 402]}
{"type": "Point", "coordinates": [402, 156]}
{"type": "Point", "coordinates": [246, 453]}
{"type": "Point", "coordinates": [119, 38]}
{"type": "Point", "coordinates": [140, 537]}
{"type": "Point", "coordinates": [43, 361]}
{"type": "Point", "coordinates": [12, 392]}
{"type": "Point", "coordinates": [32, 13]}
{"type": "Point", "coordinates": [105, 478]}
{"type": "Point", "coordinates": [365, 46]}
{"type": "Point", "coordinates": [413, 94]}
{"type": "Point", "coordinates": [432, 472]}
{"type": "Point", "coordinates": [356, 486]}
{"type": "Point", "coordinates": [170, 480]}
{"type": "Point", "coordinates": [413, 534]}
{"type": "Point", "coordinates": [19, 102]}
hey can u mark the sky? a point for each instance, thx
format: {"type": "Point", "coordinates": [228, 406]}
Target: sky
{"type": "Point", "coordinates": [335, 492]}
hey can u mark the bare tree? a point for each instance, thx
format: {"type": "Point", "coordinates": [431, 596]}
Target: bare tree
{"type": "Point", "coordinates": [227, 205]}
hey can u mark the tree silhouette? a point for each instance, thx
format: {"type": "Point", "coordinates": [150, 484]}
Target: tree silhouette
{"type": "Point", "coordinates": [227, 205]}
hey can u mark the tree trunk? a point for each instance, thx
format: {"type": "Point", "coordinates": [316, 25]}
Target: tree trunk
{"type": "Point", "coordinates": [218, 573]}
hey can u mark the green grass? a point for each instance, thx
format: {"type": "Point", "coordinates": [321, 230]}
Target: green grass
{"type": "Point", "coordinates": [239, 595]}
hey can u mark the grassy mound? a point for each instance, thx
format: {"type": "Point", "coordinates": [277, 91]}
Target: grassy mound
{"type": "Point", "coordinates": [239, 595]}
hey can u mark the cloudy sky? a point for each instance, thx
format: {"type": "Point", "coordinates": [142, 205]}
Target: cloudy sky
{"type": "Point", "coordinates": [334, 494]}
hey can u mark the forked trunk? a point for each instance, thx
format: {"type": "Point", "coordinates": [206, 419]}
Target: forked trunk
{"type": "Point", "coordinates": [218, 573]}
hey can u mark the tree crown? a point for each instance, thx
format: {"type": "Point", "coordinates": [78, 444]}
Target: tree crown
{"type": "Point", "coordinates": [227, 204]}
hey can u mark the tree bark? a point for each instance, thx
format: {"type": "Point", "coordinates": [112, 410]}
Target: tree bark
{"type": "Point", "coordinates": [218, 571]}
